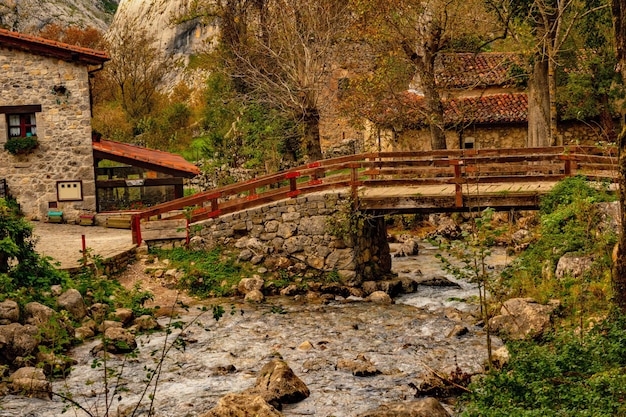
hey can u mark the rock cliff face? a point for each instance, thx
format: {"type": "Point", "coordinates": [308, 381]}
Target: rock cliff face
{"type": "Point", "coordinates": [157, 18]}
{"type": "Point", "coordinates": [30, 16]}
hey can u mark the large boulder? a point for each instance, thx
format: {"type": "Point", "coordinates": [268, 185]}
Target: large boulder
{"type": "Point", "coordinates": [428, 407]}
{"type": "Point", "coordinates": [72, 301]}
{"type": "Point", "coordinates": [18, 342]}
{"type": "Point", "coordinates": [572, 265]}
{"type": "Point", "coordinates": [38, 314]}
{"type": "Point", "coordinates": [522, 318]}
{"type": "Point", "coordinates": [31, 382]}
{"type": "Point", "coordinates": [277, 383]}
{"type": "Point", "coordinates": [242, 405]}
{"type": "Point", "coordinates": [9, 312]}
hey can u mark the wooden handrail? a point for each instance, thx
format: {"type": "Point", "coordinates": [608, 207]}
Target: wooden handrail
{"type": "Point", "coordinates": [380, 169]}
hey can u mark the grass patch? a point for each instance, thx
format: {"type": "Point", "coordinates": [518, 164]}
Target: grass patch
{"type": "Point", "coordinates": [207, 273]}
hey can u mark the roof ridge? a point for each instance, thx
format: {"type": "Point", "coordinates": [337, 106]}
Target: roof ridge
{"type": "Point", "coordinates": [52, 43]}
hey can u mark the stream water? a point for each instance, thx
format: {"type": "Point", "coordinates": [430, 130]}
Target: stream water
{"type": "Point", "coordinates": [404, 341]}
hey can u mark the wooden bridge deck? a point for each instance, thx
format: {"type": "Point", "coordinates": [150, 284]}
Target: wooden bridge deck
{"type": "Point", "coordinates": [400, 182]}
{"type": "Point", "coordinates": [441, 198]}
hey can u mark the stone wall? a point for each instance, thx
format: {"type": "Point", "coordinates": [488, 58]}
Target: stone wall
{"type": "Point", "coordinates": [300, 230]}
{"type": "Point", "coordinates": [482, 136]}
{"type": "Point", "coordinates": [63, 130]}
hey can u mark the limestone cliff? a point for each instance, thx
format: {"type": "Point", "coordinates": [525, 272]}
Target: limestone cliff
{"type": "Point", "coordinates": [30, 16]}
{"type": "Point", "coordinates": [157, 18]}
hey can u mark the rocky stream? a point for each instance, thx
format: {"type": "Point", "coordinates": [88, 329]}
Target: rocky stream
{"type": "Point", "coordinates": [352, 355]}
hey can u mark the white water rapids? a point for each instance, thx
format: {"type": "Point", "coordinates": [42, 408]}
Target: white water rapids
{"type": "Point", "coordinates": [402, 340]}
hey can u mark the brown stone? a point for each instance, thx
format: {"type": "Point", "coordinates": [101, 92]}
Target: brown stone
{"type": "Point", "coordinates": [276, 382]}
{"type": "Point", "coordinates": [428, 407]}
{"type": "Point", "coordinates": [242, 405]}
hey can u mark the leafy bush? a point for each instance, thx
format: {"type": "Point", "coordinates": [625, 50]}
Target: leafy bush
{"type": "Point", "coordinates": [572, 375]}
{"type": "Point", "coordinates": [571, 222]}
{"type": "Point", "coordinates": [21, 268]}
{"type": "Point", "coordinates": [21, 145]}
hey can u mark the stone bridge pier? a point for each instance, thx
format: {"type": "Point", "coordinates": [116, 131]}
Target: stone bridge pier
{"type": "Point", "coordinates": [305, 231]}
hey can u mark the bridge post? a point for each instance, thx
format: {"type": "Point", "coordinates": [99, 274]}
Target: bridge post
{"type": "Point", "coordinates": [458, 186]}
{"type": "Point", "coordinates": [135, 227]}
{"type": "Point", "coordinates": [354, 177]}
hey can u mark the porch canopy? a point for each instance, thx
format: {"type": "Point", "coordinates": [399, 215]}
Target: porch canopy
{"type": "Point", "coordinates": [155, 176]}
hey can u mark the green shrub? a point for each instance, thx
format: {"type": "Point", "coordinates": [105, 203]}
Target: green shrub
{"type": "Point", "coordinates": [20, 145]}
{"type": "Point", "coordinates": [569, 376]}
{"type": "Point", "coordinates": [571, 222]}
{"type": "Point", "coordinates": [21, 268]}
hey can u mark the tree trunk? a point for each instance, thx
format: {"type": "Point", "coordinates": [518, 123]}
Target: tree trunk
{"type": "Point", "coordinates": [435, 113]}
{"type": "Point", "coordinates": [619, 276]}
{"type": "Point", "coordinates": [539, 105]}
{"type": "Point", "coordinates": [425, 65]}
{"type": "Point", "coordinates": [311, 139]}
{"type": "Point", "coordinates": [554, 131]}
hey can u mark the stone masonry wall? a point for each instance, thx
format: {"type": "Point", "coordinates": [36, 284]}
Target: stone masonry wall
{"type": "Point", "coordinates": [300, 229]}
{"type": "Point", "coordinates": [483, 137]}
{"type": "Point", "coordinates": [63, 130]}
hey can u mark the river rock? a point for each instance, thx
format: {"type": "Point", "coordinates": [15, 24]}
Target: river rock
{"type": "Point", "coordinates": [123, 315]}
{"type": "Point", "coordinates": [247, 285]}
{"type": "Point", "coordinates": [361, 366]}
{"type": "Point", "coordinates": [72, 301]}
{"type": "Point", "coordinates": [278, 383]}
{"type": "Point", "coordinates": [38, 314]}
{"type": "Point", "coordinates": [53, 364]}
{"type": "Point", "coordinates": [445, 226]}
{"type": "Point", "coordinates": [99, 311]}
{"type": "Point", "coordinates": [437, 281]}
{"type": "Point", "coordinates": [380, 297]}
{"type": "Point", "coordinates": [522, 318]}
{"type": "Point", "coordinates": [408, 248]}
{"type": "Point", "coordinates": [254, 296]}
{"type": "Point", "coordinates": [145, 323]}
{"type": "Point", "coordinates": [573, 265]}
{"type": "Point", "coordinates": [18, 341]}
{"type": "Point", "coordinates": [9, 312]}
{"type": "Point", "coordinates": [119, 340]}
{"type": "Point", "coordinates": [242, 405]}
{"type": "Point", "coordinates": [458, 330]}
{"type": "Point", "coordinates": [428, 407]}
{"type": "Point", "coordinates": [31, 382]}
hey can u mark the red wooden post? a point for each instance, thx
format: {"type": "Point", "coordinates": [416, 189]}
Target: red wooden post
{"type": "Point", "coordinates": [568, 167]}
{"type": "Point", "coordinates": [135, 226]}
{"type": "Point", "coordinates": [84, 249]}
{"type": "Point", "coordinates": [293, 184]}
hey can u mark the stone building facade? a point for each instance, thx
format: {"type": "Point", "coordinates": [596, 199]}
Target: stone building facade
{"type": "Point", "coordinates": [44, 93]}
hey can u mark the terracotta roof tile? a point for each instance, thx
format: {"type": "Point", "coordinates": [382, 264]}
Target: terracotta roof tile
{"type": "Point", "coordinates": [154, 157]}
{"type": "Point", "coordinates": [498, 108]}
{"type": "Point", "coordinates": [490, 69]}
{"type": "Point", "coordinates": [410, 110]}
{"type": "Point", "coordinates": [36, 44]}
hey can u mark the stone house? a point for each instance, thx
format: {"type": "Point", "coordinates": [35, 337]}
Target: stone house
{"type": "Point", "coordinates": [44, 94]}
{"type": "Point", "coordinates": [485, 106]}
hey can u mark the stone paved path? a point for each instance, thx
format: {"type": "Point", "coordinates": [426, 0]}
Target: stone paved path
{"type": "Point", "coordinates": [63, 242]}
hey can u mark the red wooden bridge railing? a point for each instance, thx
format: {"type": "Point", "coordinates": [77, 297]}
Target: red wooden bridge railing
{"type": "Point", "coordinates": [387, 169]}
